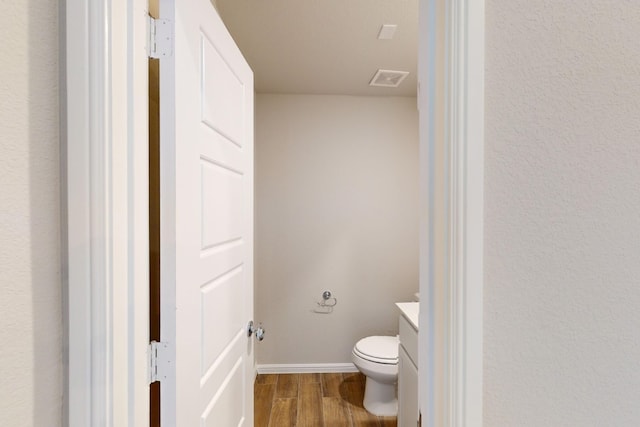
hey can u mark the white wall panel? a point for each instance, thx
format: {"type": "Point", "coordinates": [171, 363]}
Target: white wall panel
{"type": "Point", "coordinates": [336, 209]}
{"type": "Point", "coordinates": [30, 289]}
{"type": "Point", "coordinates": [562, 223]}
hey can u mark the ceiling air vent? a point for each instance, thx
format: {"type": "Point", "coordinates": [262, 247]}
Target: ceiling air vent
{"type": "Point", "coordinates": [388, 78]}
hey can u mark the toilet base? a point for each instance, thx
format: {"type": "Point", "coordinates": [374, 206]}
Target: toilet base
{"type": "Point", "coordinates": [380, 399]}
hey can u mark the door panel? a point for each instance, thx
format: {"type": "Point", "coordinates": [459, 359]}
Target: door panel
{"type": "Point", "coordinates": [220, 301]}
{"type": "Point", "coordinates": [206, 105]}
{"type": "Point", "coordinates": [223, 410]}
{"type": "Point", "coordinates": [219, 83]}
{"type": "Point", "coordinates": [222, 205]}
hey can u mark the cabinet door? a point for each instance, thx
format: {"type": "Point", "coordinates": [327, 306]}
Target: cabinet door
{"type": "Point", "coordinates": [407, 391]}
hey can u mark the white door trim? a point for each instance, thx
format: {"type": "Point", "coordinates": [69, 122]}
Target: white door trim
{"type": "Point", "coordinates": [451, 282]}
{"type": "Point", "coordinates": [104, 214]}
{"type": "Point", "coordinates": [467, 207]}
{"type": "Point", "coordinates": [103, 114]}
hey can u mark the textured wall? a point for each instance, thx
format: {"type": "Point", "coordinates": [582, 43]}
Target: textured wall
{"type": "Point", "coordinates": [562, 284]}
{"type": "Point", "coordinates": [30, 305]}
{"type": "Point", "coordinates": [336, 208]}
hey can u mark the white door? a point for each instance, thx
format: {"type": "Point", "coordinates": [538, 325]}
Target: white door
{"type": "Point", "coordinates": [206, 115]}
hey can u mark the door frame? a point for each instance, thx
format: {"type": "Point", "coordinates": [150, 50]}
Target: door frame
{"type": "Point", "coordinates": [104, 212]}
{"type": "Point", "coordinates": [104, 163]}
{"type": "Point", "coordinates": [451, 102]}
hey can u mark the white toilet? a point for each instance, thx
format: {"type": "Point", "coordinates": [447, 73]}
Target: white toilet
{"type": "Point", "coordinates": [377, 358]}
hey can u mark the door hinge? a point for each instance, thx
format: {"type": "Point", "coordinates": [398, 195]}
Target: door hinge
{"type": "Point", "coordinates": [159, 38]}
{"type": "Point", "coordinates": [159, 361]}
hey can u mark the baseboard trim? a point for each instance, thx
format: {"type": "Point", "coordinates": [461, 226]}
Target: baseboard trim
{"type": "Point", "coordinates": [307, 368]}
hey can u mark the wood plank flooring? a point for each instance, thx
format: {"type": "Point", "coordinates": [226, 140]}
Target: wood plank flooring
{"type": "Point", "coordinates": [313, 400]}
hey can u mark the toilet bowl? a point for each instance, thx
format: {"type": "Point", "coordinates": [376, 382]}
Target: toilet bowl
{"type": "Point", "coordinates": [377, 358]}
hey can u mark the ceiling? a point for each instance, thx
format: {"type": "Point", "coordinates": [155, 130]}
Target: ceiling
{"type": "Point", "coordinates": [324, 46]}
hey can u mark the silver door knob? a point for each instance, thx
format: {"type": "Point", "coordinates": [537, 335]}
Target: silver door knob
{"type": "Point", "coordinates": [259, 331]}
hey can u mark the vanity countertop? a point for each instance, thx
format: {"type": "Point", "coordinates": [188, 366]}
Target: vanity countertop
{"type": "Point", "coordinates": [410, 311]}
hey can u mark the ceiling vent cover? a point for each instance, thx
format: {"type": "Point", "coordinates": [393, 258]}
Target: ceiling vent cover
{"type": "Point", "coordinates": [388, 78]}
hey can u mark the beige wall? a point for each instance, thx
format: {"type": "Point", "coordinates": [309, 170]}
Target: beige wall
{"type": "Point", "coordinates": [337, 209]}
{"type": "Point", "coordinates": [562, 272]}
{"type": "Point", "coordinates": [30, 290]}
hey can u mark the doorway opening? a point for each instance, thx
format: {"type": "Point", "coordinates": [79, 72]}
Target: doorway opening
{"type": "Point", "coordinates": [465, 71]}
{"type": "Point", "coordinates": [154, 218]}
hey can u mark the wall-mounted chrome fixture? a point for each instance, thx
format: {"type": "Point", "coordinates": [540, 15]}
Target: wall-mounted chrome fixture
{"type": "Point", "coordinates": [326, 305]}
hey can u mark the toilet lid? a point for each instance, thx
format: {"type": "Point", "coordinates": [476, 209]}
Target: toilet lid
{"type": "Point", "coordinates": [379, 349]}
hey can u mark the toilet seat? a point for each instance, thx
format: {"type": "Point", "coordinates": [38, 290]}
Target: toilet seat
{"type": "Point", "coordinates": [378, 349]}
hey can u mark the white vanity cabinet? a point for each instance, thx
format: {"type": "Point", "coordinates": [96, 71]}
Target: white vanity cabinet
{"type": "Point", "coordinates": [408, 365]}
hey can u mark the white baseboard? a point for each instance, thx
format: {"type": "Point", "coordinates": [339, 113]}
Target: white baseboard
{"type": "Point", "coordinates": [307, 368]}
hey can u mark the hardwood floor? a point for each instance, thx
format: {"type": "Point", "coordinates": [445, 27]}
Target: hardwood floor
{"type": "Point", "coordinates": [313, 400]}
